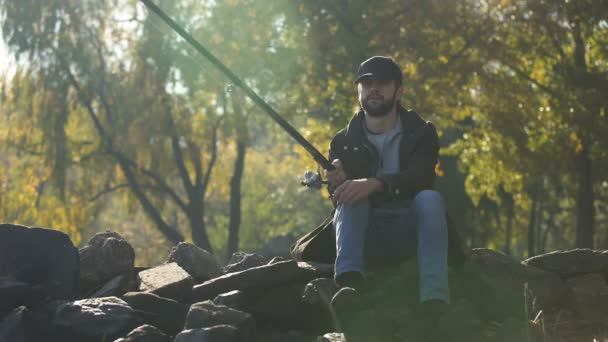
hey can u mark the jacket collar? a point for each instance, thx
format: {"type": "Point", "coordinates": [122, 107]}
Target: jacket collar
{"type": "Point", "coordinates": [410, 120]}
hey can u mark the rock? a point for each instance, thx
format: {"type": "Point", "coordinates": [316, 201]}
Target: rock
{"type": "Point", "coordinates": [145, 333]}
{"type": "Point", "coordinates": [571, 262]}
{"type": "Point", "coordinates": [199, 263]}
{"type": "Point", "coordinates": [332, 337]}
{"type": "Point", "coordinates": [242, 261]}
{"type": "Point", "coordinates": [94, 319]}
{"type": "Point", "coordinates": [14, 293]}
{"type": "Point", "coordinates": [206, 314]}
{"type": "Point", "coordinates": [257, 278]}
{"type": "Point", "coordinates": [42, 258]}
{"type": "Point", "coordinates": [278, 308]}
{"type": "Point", "coordinates": [319, 291]}
{"type": "Point", "coordinates": [234, 299]}
{"type": "Point", "coordinates": [280, 336]}
{"type": "Point", "coordinates": [116, 286]}
{"type": "Point", "coordinates": [218, 333]}
{"type": "Point", "coordinates": [169, 281]}
{"type": "Point", "coordinates": [14, 326]}
{"type": "Point", "coordinates": [104, 257]}
{"type": "Point", "coordinates": [590, 294]}
{"type": "Point", "coordinates": [547, 289]}
{"type": "Point", "coordinates": [166, 314]}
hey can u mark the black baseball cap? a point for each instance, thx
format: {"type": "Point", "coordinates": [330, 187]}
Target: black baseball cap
{"type": "Point", "coordinates": [380, 67]}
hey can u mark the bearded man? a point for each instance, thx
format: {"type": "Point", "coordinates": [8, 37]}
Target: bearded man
{"type": "Point", "coordinates": [382, 187]}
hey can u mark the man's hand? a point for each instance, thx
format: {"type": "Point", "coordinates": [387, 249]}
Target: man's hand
{"type": "Point", "coordinates": [351, 191]}
{"type": "Point", "coordinates": [337, 176]}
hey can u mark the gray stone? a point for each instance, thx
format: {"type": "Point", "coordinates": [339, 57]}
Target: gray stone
{"type": "Point", "coordinates": [259, 278]}
{"type": "Point", "coordinates": [14, 327]}
{"type": "Point", "coordinates": [14, 293]}
{"type": "Point", "coordinates": [590, 294]}
{"type": "Point", "coordinates": [278, 308]}
{"type": "Point", "coordinates": [164, 313]}
{"type": "Point", "coordinates": [199, 263]}
{"type": "Point", "coordinates": [104, 257]}
{"type": "Point", "coordinates": [241, 261]}
{"type": "Point", "coordinates": [168, 280]}
{"type": "Point", "coordinates": [571, 262]}
{"type": "Point", "coordinates": [234, 299]}
{"type": "Point", "coordinates": [547, 289]}
{"type": "Point", "coordinates": [42, 258]}
{"type": "Point", "coordinates": [145, 333]}
{"type": "Point", "coordinates": [319, 291]}
{"type": "Point", "coordinates": [206, 314]}
{"type": "Point", "coordinates": [278, 246]}
{"type": "Point", "coordinates": [96, 318]}
{"type": "Point", "coordinates": [218, 333]}
{"type": "Point", "coordinates": [332, 337]}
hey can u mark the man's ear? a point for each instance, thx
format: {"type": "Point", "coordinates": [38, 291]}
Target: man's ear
{"type": "Point", "coordinates": [399, 92]}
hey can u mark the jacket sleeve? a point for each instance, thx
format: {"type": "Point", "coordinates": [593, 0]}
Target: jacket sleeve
{"type": "Point", "coordinates": [420, 172]}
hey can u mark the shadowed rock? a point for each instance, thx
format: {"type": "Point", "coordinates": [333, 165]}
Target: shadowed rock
{"type": "Point", "coordinates": [259, 278]}
{"type": "Point", "coordinates": [590, 294]}
{"type": "Point", "coordinates": [42, 258]}
{"type": "Point", "coordinates": [572, 262]}
{"type": "Point", "coordinates": [166, 314]}
{"type": "Point", "coordinates": [219, 333]}
{"type": "Point", "coordinates": [206, 314]}
{"type": "Point", "coordinates": [169, 281]}
{"type": "Point", "coordinates": [234, 299]}
{"type": "Point", "coordinates": [93, 319]}
{"type": "Point", "coordinates": [14, 326]}
{"type": "Point", "coordinates": [145, 333]}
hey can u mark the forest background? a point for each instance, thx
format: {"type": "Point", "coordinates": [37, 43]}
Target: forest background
{"type": "Point", "coordinates": [108, 120]}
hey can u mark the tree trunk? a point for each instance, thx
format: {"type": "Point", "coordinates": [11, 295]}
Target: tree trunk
{"type": "Point", "coordinates": [235, 199]}
{"type": "Point", "coordinates": [532, 222]}
{"type": "Point", "coordinates": [585, 218]}
{"type": "Point", "coordinates": [196, 211]}
{"type": "Point", "coordinates": [509, 226]}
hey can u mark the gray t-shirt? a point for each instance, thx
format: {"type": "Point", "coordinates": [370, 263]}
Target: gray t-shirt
{"type": "Point", "coordinates": [387, 145]}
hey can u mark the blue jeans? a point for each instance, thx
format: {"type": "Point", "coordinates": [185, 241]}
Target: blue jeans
{"type": "Point", "coordinates": [367, 235]}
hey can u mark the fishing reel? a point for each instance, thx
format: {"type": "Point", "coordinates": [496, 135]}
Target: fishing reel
{"type": "Point", "coordinates": [313, 180]}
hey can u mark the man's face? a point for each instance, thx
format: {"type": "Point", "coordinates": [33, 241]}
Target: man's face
{"type": "Point", "coordinates": [377, 97]}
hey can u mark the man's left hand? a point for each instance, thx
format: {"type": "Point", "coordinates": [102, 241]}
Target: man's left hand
{"type": "Point", "coordinates": [352, 191]}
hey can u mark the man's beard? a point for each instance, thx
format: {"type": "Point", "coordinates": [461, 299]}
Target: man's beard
{"type": "Point", "coordinates": [379, 110]}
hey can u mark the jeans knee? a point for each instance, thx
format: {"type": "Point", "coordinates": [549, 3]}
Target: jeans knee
{"type": "Point", "coordinates": [429, 201]}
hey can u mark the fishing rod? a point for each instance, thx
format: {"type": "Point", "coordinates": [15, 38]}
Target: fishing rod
{"type": "Point", "coordinates": [310, 179]}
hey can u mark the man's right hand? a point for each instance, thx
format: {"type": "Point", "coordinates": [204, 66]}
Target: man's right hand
{"type": "Point", "coordinates": [337, 176]}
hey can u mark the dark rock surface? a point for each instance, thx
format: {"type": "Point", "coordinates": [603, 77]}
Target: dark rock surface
{"type": "Point", "coordinates": [199, 263]}
{"type": "Point", "coordinates": [218, 333]}
{"type": "Point", "coordinates": [164, 313]}
{"type": "Point", "coordinates": [168, 280]}
{"type": "Point", "coordinates": [43, 258]}
{"type": "Point", "coordinates": [571, 262]}
{"type": "Point", "coordinates": [206, 315]}
{"type": "Point", "coordinates": [14, 326]}
{"type": "Point", "coordinates": [94, 319]}
{"type": "Point", "coordinates": [234, 299]}
{"type": "Point", "coordinates": [242, 261]}
{"type": "Point", "coordinates": [145, 333]}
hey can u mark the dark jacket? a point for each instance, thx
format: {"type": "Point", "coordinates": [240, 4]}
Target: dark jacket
{"type": "Point", "coordinates": [418, 154]}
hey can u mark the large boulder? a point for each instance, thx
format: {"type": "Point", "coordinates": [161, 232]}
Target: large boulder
{"type": "Point", "coordinates": [39, 257]}
{"type": "Point", "coordinates": [590, 296]}
{"type": "Point", "coordinates": [199, 263]}
{"type": "Point", "coordinates": [106, 256]}
{"type": "Point", "coordinates": [14, 326]}
{"type": "Point", "coordinates": [94, 319]}
{"type": "Point", "coordinates": [164, 313]}
{"type": "Point", "coordinates": [169, 280]}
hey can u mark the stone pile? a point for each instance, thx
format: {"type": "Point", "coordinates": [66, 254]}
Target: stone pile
{"type": "Point", "coordinates": [52, 291]}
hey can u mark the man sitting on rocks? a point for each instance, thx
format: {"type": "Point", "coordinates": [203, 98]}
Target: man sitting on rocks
{"type": "Point", "coordinates": [386, 210]}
